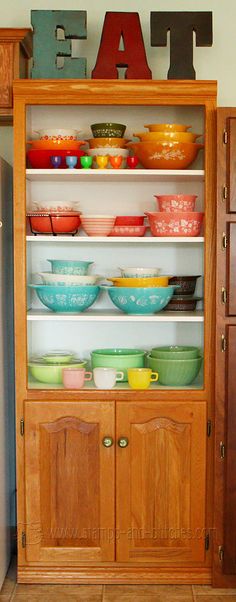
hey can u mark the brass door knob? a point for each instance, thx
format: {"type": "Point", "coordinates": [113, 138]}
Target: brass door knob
{"type": "Point", "coordinates": [123, 442]}
{"type": "Point", "coordinates": [107, 441]}
{"type": "Point", "coordinates": [0, 224]}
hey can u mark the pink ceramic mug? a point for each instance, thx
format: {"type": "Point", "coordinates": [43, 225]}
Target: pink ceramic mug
{"type": "Point", "coordinates": [74, 378]}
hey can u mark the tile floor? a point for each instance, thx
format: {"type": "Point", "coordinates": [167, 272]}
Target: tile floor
{"type": "Point", "coordinates": [110, 593]}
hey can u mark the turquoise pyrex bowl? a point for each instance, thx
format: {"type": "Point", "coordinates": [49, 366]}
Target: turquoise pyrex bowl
{"type": "Point", "coordinates": [52, 374]}
{"type": "Point", "coordinates": [121, 359]}
{"type": "Point", "coordinates": [175, 373]}
{"type": "Point", "coordinates": [68, 266]}
{"type": "Point", "coordinates": [142, 300]}
{"type": "Point", "coordinates": [66, 298]}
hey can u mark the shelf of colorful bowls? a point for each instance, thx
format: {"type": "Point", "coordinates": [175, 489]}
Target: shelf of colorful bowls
{"type": "Point", "coordinates": [90, 386]}
{"type": "Point", "coordinates": [115, 175]}
{"type": "Point", "coordinates": [113, 315]}
{"type": "Point", "coordinates": [114, 240]}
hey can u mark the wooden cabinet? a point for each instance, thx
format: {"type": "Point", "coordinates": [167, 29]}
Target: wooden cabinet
{"type": "Point", "coordinates": [225, 441]}
{"type": "Point", "coordinates": [150, 524]}
{"type": "Point", "coordinates": [71, 494]}
{"type": "Point", "coordinates": [15, 52]}
{"type": "Point", "coordinates": [69, 481]}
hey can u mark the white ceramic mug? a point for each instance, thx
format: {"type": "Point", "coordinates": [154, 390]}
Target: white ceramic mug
{"type": "Point", "coordinates": [105, 378]}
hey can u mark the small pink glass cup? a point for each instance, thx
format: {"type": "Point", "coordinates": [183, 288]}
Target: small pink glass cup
{"type": "Point", "coordinates": [74, 378]}
{"type": "Point", "coordinates": [132, 162]}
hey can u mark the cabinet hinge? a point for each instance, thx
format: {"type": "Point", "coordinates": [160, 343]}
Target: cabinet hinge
{"type": "Point", "coordinates": [222, 450]}
{"type": "Point", "coordinates": [209, 428]}
{"type": "Point", "coordinates": [224, 241]}
{"type": "Point", "coordinates": [223, 343]}
{"type": "Point", "coordinates": [22, 427]}
{"type": "Point", "coordinates": [23, 539]}
{"type": "Point", "coordinates": [225, 193]}
{"type": "Point", "coordinates": [221, 553]}
{"type": "Point", "coordinates": [223, 295]}
{"type": "Point", "coordinates": [225, 137]}
{"type": "Point", "coordinates": [207, 541]}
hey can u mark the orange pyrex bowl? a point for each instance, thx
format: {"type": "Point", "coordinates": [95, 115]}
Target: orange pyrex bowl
{"type": "Point", "coordinates": [56, 145]}
{"type": "Point", "coordinates": [174, 127]}
{"type": "Point", "coordinates": [186, 223]}
{"type": "Point", "coordinates": [141, 282]}
{"type": "Point", "coordinates": [108, 142]}
{"type": "Point", "coordinates": [165, 155]}
{"type": "Point", "coordinates": [167, 135]}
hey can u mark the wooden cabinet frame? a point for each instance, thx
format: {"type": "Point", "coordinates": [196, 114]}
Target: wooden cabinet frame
{"type": "Point", "coordinates": [120, 92]}
{"type": "Point", "coordinates": [15, 52]}
{"type": "Point", "coordinates": [224, 488]}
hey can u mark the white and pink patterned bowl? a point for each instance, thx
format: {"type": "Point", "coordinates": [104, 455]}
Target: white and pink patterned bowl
{"type": "Point", "coordinates": [57, 134]}
{"type": "Point", "coordinates": [97, 225]}
{"type": "Point", "coordinates": [175, 224]}
{"type": "Point", "coordinates": [173, 203]}
{"type": "Point", "coordinates": [128, 231]}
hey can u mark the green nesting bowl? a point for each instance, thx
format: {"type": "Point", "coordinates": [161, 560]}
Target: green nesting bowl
{"type": "Point", "coordinates": [58, 357]}
{"type": "Point", "coordinates": [121, 359]}
{"type": "Point", "coordinates": [108, 130]}
{"type": "Point", "coordinates": [52, 373]}
{"type": "Point", "coordinates": [175, 373]}
{"type": "Point", "coordinates": [174, 352]}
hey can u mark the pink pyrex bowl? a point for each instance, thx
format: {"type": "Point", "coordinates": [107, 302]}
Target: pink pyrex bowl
{"type": "Point", "coordinates": [173, 203]}
{"type": "Point", "coordinates": [175, 224]}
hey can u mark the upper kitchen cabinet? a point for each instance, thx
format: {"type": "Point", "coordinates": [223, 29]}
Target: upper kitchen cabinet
{"type": "Point", "coordinates": [15, 52]}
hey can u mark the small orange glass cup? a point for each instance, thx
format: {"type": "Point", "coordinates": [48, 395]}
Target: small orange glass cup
{"type": "Point", "coordinates": [115, 161]}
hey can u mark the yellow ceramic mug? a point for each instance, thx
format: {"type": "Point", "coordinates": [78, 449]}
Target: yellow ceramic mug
{"type": "Point", "coordinates": [140, 378]}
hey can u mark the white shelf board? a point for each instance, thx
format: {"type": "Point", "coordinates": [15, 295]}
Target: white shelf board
{"type": "Point", "coordinates": [115, 175]}
{"type": "Point", "coordinates": [120, 386]}
{"type": "Point", "coordinates": [154, 240]}
{"type": "Point", "coordinates": [99, 315]}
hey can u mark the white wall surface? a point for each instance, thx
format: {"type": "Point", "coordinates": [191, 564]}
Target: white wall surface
{"type": "Point", "coordinates": [216, 62]}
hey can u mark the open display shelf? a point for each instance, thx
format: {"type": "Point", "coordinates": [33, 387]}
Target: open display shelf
{"type": "Point", "coordinates": [76, 471]}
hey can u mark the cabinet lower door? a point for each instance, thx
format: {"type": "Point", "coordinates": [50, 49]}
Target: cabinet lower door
{"type": "Point", "coordinates": [229, 563]}
{"type": "Point", "coordinates": [161, 477]}
{"type": "Point", "coordinates": [69, 481]}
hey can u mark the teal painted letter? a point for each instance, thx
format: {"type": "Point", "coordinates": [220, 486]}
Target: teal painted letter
{"type": "Point", "coordinates": [47, 47]}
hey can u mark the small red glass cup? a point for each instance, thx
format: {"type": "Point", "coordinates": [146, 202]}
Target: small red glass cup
{"type": "Point", "coordinates": [132, 162]}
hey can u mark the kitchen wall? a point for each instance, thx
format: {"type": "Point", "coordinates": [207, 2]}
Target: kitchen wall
{"type": "Point", "coordinates": [217, 62]}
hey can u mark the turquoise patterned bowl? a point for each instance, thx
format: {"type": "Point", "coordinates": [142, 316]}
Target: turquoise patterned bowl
{"type": "Point", "coordinates": [68, 266]}
{"type": "Point", "coordinates": [141, 301]}
{"type": "Point", "coordinates": [66, 298]}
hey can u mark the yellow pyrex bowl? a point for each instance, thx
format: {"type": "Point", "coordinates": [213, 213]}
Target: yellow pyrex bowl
{"type": "Point", "coordinates": [141, 282]}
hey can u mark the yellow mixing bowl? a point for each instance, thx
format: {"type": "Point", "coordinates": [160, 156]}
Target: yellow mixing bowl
{"type": "Point", "coordinates": [141, 282]}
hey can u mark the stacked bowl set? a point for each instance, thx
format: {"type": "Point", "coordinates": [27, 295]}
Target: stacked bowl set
{"type": "Point", "coordinates": [137, 291]}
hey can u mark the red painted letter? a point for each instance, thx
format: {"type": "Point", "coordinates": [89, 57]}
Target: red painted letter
{"type": "Point", "coordinates": [125, 27]}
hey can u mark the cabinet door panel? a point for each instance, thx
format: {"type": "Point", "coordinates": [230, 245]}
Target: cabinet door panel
{"type": "Point", "coordinates": [231, 260]}
{"type": "Point", "coordinates": [6, 74]}
{"type": "Point", "coordinates": [69, 481]}
{"type": "Point", "coordinates": [231, 164]}
{"type": "Point", "coordinates": [161, 482]}
{"type": "Point", "coordinates": [230, 484]}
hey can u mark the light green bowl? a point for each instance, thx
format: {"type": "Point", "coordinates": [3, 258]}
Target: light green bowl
{"type": "Point", "coordinates": [121, 359]}
{"type": "Point", "coordinates": [175, 373]}
{"type": "Point", "coordinates": [51, 374]}
{"type": "Point", "coordinates": [58, 357]}
{"type": "Point", "coordinates": [180, 352]}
